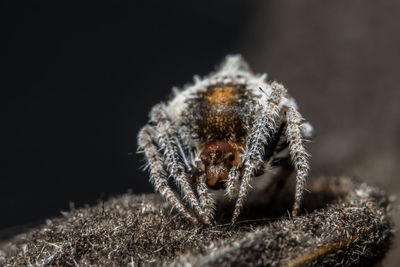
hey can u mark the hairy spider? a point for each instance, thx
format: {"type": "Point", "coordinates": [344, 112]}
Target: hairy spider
{"type": "Point", "coordinates": [220, 132]}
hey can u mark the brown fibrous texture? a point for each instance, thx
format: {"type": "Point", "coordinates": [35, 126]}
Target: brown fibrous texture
{"type": "Point", "coordinates": [343, 222]}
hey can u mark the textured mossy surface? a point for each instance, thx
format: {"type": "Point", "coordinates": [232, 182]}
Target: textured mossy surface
{"type": "Point", "coordinates": [343, 222]}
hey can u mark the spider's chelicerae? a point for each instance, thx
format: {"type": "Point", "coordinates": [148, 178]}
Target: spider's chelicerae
{"type": "Point", "coordinates": [219, 133]}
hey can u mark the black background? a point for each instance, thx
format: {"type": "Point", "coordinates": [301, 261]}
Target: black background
{"type": "Point", "coordinates": [79, 82]}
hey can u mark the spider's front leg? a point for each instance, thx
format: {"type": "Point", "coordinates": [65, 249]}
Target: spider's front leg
{"type": "Point", "coordinates": [262, 130]}
{"type": "Point", "coordinates": [148, 138]}
{"type": "Point", "coordinates": [205, 197]}
{"type": "Point", "coordinates": [168, 139]}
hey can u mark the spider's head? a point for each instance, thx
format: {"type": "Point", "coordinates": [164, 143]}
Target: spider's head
{"type": "Point", "coordinates": [218, 158]}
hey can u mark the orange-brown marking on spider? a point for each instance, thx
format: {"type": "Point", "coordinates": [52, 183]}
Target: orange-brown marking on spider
{"type": "Point", "coordinates": [222, 95]}
{"type": "Point", "coordinates": [220, 112]}
{"type": "Point", "coordinates": [218, 158]}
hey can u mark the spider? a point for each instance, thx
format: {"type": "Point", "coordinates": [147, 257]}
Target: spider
{"type": "Point", "coordinates": [218, 133]}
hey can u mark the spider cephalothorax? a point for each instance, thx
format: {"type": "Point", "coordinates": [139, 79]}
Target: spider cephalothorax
{"type": "Point", "coordinates": [219, 133]}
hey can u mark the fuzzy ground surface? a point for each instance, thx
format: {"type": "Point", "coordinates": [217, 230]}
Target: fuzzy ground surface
{"type": "Point", "coordinates": [343, 222]}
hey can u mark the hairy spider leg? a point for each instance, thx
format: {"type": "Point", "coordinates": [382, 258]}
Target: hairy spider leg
{"type": "Point", "coordinates": [158, 176]}
{"type": "Point", "coordinates": [263, 129]}
{"type": "Point", "coordinates": [206, 199]}
{"type": "Point", "coordinates": [175, 166]}
{"type": "Point", "coordinates": [232, 187]}
{"type": "Point", "coordinates": [298, 154]}
{"type": "Point", "coordinates": [182, 154]}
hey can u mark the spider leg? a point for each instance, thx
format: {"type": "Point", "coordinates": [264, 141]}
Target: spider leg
{"type": "Point", "coordinates": [298, 154]}
{"type": "Point", "coordinates": [206, 199]}
{"type": "Point", "coordinates": [167, 139]}
{"type": "Point", "coordinates": [182, 154]}
{"type": "Point", "coordinates": [264, 126]}
{"type": "Point", "coordinates": [232, 188]}
{"type": "Point", "coordinates": [158, 176]}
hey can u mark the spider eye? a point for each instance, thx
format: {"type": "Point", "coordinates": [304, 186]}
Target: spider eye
{"type": "Point", "coordinates": [231, 157]}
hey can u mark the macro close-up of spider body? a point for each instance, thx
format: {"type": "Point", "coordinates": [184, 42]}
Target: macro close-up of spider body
{"type": "Point", "coordinates": [219, 133]}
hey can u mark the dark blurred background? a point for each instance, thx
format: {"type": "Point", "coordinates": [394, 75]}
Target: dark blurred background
{"type": "Point", "coordinates": [78, 81]}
